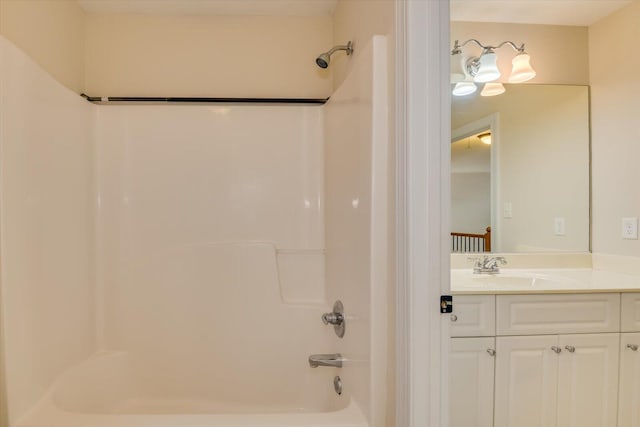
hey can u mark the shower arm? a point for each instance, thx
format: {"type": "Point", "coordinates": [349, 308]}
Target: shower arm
{"type": "Point", "coordinates": [348, 48]}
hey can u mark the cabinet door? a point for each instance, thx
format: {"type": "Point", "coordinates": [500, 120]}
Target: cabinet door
{"type": "Point", "coordinates": [628, 407]}
{"type": "Point", "coordinates": [588, 380]}
{"type": "Point", "coordinates": [471, 367]}
{"type": "Point", "coordinates": [526, 381]}
{"type": "Point", "coordinates": [473, 316]}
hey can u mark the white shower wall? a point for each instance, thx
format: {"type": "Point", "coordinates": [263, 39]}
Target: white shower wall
{"type": "Point", "coordinates": [211, 237]}
{"type": "Point", "coordinates": [192, 239]}
{"type": "Point", "coordinates": [46, 232]}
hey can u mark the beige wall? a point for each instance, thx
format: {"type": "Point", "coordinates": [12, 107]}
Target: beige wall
{"type": "Point", "coordinates": [559, 54]}
{"type": "Point", "coordinates": [358, 21]}
{"type": "Point", "coordinates": [51, 32]}
{"type": "Point", "coordinates": [615, 109]}
{"type": "Point", "coordinates": [217, 56]}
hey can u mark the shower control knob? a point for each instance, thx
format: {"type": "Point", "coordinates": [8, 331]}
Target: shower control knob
{"type": "Point", "coordinates": [336, 318]}
{"type": "Point", "coordinates": [333, 318]}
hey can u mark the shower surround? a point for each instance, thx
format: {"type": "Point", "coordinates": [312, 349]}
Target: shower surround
{"type": "Point", "coordinates": [168, 264]}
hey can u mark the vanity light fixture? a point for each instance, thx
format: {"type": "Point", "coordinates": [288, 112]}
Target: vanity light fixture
{"type": "Point", "coordinates": [485, 138]}
{"type": "Point", "coordinates": [484, 68]}
{"type": "Point", "coordinates": [464, 88]}
{"type": "Point", "coordinates": [492, 89]}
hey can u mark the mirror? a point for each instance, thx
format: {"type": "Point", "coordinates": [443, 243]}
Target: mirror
{"type": "Point", "coordinates": [530, 185]}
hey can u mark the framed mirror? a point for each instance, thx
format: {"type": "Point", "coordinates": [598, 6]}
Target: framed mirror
{"type": "Point", "coordinates": [529, 188]}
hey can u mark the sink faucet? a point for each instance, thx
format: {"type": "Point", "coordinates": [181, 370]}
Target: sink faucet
{"type": "Point", "coordinates": [488, 264]}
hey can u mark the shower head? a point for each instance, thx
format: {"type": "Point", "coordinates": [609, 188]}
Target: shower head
{"type": "Point", "coordinates": [324, 59]}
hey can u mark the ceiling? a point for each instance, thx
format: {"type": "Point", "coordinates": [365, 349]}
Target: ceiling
{"type": "Point", "coordinates": [212, 7]}
{"type": "Point", "coordinates": [552, 12]}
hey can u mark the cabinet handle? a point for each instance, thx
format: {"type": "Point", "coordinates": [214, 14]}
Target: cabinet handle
{"type": "Point", "coordinates": [570, 348]}
{"type": "Point", "coordinates": [454, 318]}
{"type": "Point", "coordinates": [632, 347]}
{"type": "Point", "coordinates": [491, 352]}
{"type": "Point", "coordinates": [556, 349]}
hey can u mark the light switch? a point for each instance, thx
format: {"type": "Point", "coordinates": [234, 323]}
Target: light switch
{"type": "Point", "coordinates": [558, 226]}
{"type": "Point", "coordinates": [507, 210]}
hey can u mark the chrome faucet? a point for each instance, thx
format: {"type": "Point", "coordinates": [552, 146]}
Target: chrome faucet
{"type": "Point", "coordinates": [488, 264]}
{"type": "Point", "coordinates": [334, 360]}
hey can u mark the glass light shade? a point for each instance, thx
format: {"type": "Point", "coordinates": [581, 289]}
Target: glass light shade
{"type": "Point", "coordinates": [485, 138]}
{"type": "Point", "coordinates": [464, 88]}
{"type": "Point", "coordinates": [456, 78]}
{"type": "Point", "coordinates": [522, 70]}
{"type": "Point", "coordinates": [457, 73]}
{"type": "Point", "coordinates": [488, 68]}
{"type": "Point", "coordinates": [492, 89]}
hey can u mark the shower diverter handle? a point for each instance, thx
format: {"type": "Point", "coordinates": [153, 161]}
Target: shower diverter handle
{"type": "Point", "coordinates": [336, 318]}
{"type": "Point", "coordinates": [333, 318]}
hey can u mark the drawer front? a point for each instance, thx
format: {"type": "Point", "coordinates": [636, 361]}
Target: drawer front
{"type": "Point", "coordinates": [630, 312]}
{"type": "Point", "coordinates": [557, 314]}
{"type": "Point", "coordinates": [473, 316]}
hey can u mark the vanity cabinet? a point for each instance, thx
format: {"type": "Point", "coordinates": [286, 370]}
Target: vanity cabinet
{"type": "Point", "coordinates": [629, 395]}
{"type": "Point", "coordinates": [474, 316]}
{"type": "Point", "coordinates": [472, 361]}
{"type": "Point", "coordinates": [472, 365]}
{"type": "Point", "coordinates": [557, 380]}
{"type": "Point", "coordinates": [556, 364]}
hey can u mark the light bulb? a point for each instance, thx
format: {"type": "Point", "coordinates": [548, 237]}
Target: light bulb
{"type": "Point", "coordinates": [485, 138]}
{"type": "Point", "coordinates": [522, 70]}
{"type": "Point", "coordinates": [488, 68]}
{"type": "Point", "coordinates": [492, 89]}
{"type": "Point", "coordinates": [464, 88]}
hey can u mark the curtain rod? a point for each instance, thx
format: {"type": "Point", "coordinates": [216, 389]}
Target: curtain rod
{"type": "Point", "coordinates": [184, 100]}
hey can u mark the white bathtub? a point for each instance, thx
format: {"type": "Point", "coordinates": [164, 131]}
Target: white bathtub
{"type": "Point", "coordinates": [106, 392]}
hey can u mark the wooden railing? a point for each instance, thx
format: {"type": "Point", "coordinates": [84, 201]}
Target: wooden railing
{"type": "Point", "coordinates": [468, 242]}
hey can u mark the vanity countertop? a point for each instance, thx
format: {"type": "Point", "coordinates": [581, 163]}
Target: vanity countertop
{"type": "Point", "coordinates": [547, 281]}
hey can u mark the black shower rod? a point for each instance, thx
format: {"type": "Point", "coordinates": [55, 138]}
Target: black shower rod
{"type": "Point", "coordinates": [199, 100]}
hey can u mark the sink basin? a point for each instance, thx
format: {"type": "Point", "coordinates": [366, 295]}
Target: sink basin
{"type": "Point", "coordinates": [510, 280]}
{"type": "Point", "coordinates": [501, 280]}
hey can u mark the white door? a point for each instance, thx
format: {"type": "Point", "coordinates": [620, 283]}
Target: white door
{"type": "Point", "coordinates": [588, 380]}
{"type": "Point", "coordinates": [471, 369]}
{"type": "Point", "coordinates": [629, 396]}
{"type": "Point", "coordinates": [526, 381]}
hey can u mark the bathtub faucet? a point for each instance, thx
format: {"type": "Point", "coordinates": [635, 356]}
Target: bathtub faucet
{"type": "Point", "coordinates": [334, 360]}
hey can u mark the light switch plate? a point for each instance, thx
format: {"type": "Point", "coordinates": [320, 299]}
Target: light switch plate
{"type": "Point", "coordinates": [558, 226]}
{"type": "Point", "coordinates": [630, 228]}
{"type": "Point", "coordinates": [507, 210]}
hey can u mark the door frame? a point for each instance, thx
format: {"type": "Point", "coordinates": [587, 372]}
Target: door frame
{"type": "Point", "coordinates": [491, 123]}
{"type": "Point", "coordinates": [423, 133]}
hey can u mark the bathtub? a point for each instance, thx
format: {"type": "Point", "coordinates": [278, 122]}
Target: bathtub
{"type": "Point", "coordinates": [105, 391]}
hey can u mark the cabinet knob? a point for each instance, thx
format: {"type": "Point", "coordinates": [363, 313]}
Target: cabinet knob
{"type": "Point", "coordinates": [454, 318]}
{"type": "Point", "coordinates": [556, 349]}
{"type": "Point", "coordinates": [491, 352]}
{"type": "Point", "coordinates": [570, 348]}
{"type": "Point", "coordinates": [632, 347]}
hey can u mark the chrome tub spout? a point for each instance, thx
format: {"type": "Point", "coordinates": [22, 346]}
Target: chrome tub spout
{"type": "Point", "coordinates": [334, 360]}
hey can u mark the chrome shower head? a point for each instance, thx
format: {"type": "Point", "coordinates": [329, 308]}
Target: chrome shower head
{"type": "Point", "coordinates": [324, 59]}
